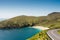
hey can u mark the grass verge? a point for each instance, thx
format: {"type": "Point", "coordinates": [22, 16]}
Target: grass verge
{"type": "Point", "coordinates": [40, 36]}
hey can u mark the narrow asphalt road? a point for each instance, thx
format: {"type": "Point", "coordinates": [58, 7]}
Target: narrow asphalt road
{"type": "Point", "coordinates": [53, 34]}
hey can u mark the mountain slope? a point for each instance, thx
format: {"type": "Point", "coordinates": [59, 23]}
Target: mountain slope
{"type": "Point", "coordinates": [52, 20]}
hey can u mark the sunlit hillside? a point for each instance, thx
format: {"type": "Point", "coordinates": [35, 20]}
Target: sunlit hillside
{"type": "Point", "coordinates": [52, 20]}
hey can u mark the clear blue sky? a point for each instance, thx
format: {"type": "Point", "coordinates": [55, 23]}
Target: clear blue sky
{"type": "Point", "coordinates": [11, 8]}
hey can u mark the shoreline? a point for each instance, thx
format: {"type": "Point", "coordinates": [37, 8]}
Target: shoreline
{"type": "Point", "coordinates": [36, 36]}
{"type": "Point", "coordinates": [40, 27]}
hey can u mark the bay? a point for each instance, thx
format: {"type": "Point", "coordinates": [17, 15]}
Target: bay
{"type": "Point", "coordinates": [18, 34]}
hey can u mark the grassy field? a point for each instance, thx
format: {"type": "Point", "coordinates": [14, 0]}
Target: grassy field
{"type": "Point", "coordinates": [40, 36]}
{"type": "Point", "coordinates": [59, 31]}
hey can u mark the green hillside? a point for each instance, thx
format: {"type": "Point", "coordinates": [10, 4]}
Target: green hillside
{"type": "Point", "coordinates": [52, 20]}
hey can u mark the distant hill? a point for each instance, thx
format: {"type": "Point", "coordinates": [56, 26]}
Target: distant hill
{"type": "Point", "coordinates": [54, 13]}
{"type": "Point", "coordinates": [52, 20]}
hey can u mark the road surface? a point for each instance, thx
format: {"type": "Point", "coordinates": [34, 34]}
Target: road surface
{"type": "Point", "coordinates": [53, 34]}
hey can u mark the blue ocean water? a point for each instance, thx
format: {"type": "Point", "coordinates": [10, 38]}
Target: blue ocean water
{"type": "Point", "coordinates": [18, 34]}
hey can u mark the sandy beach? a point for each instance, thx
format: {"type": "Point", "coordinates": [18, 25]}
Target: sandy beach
{"type": "Point", "coordinates": [41, 27]}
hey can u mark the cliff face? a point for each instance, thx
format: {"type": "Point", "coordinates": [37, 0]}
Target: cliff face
{"type": "Point", "coordinates": [24, 21]}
